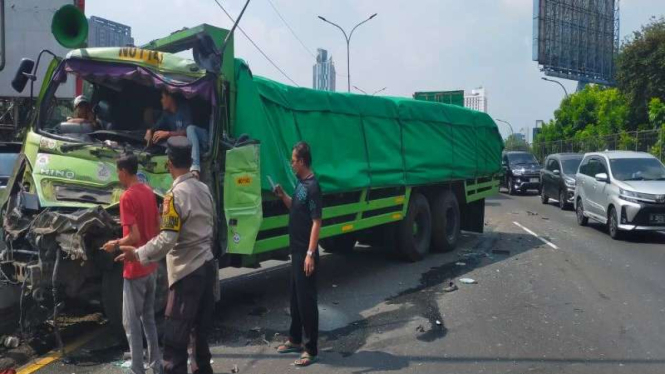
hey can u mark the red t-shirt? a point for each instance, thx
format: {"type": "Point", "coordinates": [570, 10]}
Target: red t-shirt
{"type": "Point", "coordinates": [138, 206]}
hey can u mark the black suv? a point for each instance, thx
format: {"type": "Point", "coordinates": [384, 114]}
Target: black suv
{"type": "Point", "coordinates": [558, 178]}
{"type": "Point", "coordinates": [521, 172]}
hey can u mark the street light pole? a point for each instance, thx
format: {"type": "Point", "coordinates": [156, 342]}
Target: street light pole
{"type": "Point", "coordinates": [381, 90]}
{"type": "Point", "coordinates": [507, 123]}
{"type": "Point", "coordinates": [360, 89]}
{"type": "Point", "coordinates": [557, 82]}
{"type": "Point", "coordinates": [348, 41]}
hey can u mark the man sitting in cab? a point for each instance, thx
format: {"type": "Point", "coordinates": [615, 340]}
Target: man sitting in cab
{"type": "Point", "coordinates": [82, 111]}
{"type": "Point", "coordinates": [176, 120]}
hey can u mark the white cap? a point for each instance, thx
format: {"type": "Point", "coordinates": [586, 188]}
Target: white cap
{"type": "Point", "coordinates": [80, 99]}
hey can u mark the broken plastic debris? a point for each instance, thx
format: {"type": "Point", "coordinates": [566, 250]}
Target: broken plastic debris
{"type": "Point", "coordinates": [10, 341]}
{"type": "Point", "coordinates": [420, 328]}
{"type": "Point", "coordinates": [451, 287]}
{"type": "Point", "coordinates": [127, 364]}
{"type": "Point", "coordinates": [531, 213]}
{"type": "Point", "coordinates": [467, 281]}
{"type": "Point", "coordinates": [438, 323]}
{"type": "Point", "coordinates": [235, 369]}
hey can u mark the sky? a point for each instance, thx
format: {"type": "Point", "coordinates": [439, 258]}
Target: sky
{"type": "Point", "coordinates": [416, 45]}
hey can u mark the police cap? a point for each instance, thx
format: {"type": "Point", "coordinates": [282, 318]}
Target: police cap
{"type": "Point", "coordinates": [179, 150]}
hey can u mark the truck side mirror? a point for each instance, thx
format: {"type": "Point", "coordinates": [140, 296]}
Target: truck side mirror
{"type": "Point", "coordinates": [23, 73]}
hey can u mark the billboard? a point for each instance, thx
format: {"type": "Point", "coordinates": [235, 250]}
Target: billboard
{"type": "Point", "coordinates": [576, 39]}
{"type": "Point", "coordinates": [446, 97]}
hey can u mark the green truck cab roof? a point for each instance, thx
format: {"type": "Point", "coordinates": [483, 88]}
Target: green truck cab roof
{"type": "Point", "coordinates": [159, 62]}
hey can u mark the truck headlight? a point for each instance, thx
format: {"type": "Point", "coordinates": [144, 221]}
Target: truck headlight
{"type": "Point", "coordinates": [570, 182]}
{"type": "Point", "coordinates": [518, 171]}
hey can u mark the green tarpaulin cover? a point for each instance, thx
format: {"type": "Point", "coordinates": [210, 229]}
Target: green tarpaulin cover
{"type": "Point", "coordinates": [361, 141]}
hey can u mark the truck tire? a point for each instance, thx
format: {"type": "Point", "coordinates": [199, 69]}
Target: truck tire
{"type": "Point", "coordinates": [445, 222]}
{"type": "Point", "coordinates": [339, 244]}
{"type": "Point", "coordinates": [112, 284]}
{"type": "Point", "coordinates": [414, 232]}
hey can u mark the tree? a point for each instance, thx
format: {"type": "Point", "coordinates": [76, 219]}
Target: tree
{"type": "Point", "coordinates": [516, 143]}
{"type": "Point", "coordinates": [641, 70]}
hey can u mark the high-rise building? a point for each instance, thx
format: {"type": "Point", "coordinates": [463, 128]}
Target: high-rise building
{"type": "Point", "coordinates": [476, 100]}
{"type": "Point", "coordinates": [105, 33]}
{"type": "Point", "coordinates": [324, 71]}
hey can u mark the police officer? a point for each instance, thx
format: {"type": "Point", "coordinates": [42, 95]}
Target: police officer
{"type": "Point", "coordinates": [185, 240]}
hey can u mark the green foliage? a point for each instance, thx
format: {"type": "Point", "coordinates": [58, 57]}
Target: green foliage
{"type": "Point", "coordinates": [515, 143]}
{"type": "Point", "coordinates": [641, 70]}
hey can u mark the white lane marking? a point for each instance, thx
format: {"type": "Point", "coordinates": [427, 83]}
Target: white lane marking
{"type": "Point", "coordinates": [536, 235]}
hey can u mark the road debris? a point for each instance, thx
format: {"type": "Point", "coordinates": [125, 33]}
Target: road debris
{"type": "Point", "coordinates": [545, 218]}
{"type": "Point", "coordinates": [438, 323]}
{"type": "Point", "coordinates": [528, 212]}
{"type": "Point", "coordinates": [10, 341]}
{"type": "Point", "coordinates": [451, 287]}
{"type": "Point", "coordinates": [420, 328]}
{"type": "Point", "coordinates": [235, 369]}
{"type": "Point", "coordinates": [501, 252]}
{"type": "Point", "coordinates": [467, 281]}
{"type": "Point", "coordinates": [459, 263]}
{"type": "Point", "coordinates": [334, 286]}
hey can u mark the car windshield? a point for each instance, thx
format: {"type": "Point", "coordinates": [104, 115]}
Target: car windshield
{"type": "Point", "coordinates": [521, 158]}
{"type": "Point", "coordinates": [570, 166]}
{"type": "Point", "coordinates": [637, 169]}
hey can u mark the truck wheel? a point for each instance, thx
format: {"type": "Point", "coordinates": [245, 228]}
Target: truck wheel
{"type": "Point", "coordinates": [339, 244]}
{"type": "Point", "coordinates": [414, 232]}
{"type": "Point", "coordinates": [445, 222]}
{"type": "Point", "coordinates": [112, 284]}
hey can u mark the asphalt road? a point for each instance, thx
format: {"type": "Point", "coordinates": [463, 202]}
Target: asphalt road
{"type": "Point", "coordinates": [551, 297]}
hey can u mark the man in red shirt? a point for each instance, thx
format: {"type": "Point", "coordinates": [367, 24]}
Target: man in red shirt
{"type": "Point", "coordinates": [139, 217]}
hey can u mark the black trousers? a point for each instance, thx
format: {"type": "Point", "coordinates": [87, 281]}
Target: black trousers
{"type": "Point", "coordinates": [304, 304]}
{"type": "Point", "coordinates": [189, 315]}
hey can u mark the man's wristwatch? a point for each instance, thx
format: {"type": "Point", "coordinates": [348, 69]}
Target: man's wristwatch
{"type": "Point", "coordinates": [310, 253]}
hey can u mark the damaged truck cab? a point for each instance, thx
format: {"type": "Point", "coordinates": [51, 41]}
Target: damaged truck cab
{"type": "Point", "coordinates": [61, 203]}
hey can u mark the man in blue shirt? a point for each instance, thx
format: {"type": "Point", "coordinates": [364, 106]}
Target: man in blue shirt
{"type": "Point", "coordinates": [176, 120]}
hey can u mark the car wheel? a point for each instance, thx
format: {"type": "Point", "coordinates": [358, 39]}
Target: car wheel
{"type": "Point", "coordinates": [562, 200]}
{"type": "Point", "coordinates": [581, 219]}
{"type": "Point", "coordinates": [613, 224]}
{"type": "Point", "coordinates": [511, 187]}
{"type": "Point", "coordinates": [543, 198]}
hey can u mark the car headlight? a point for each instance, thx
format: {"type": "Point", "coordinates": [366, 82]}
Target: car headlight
{"type": "Point", "coordinates": [570, 182]}
{"type": "Point", "coordinates": [518, 171]}
{"type": "Point", "coordinates": [83, 194]}
{"type": "Point", "coordinates": [637, 197]}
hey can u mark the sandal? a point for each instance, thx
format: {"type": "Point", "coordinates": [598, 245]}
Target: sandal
{"type": "Point", "coordinates": [305, 360]}
{"type": "Point", "coordinates": [289, 347]}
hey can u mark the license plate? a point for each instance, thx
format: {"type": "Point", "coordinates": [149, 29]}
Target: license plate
{"type": "Point", "coordinates": [657, 218]}
{"type": "Point", "coordinates": [533, 180]}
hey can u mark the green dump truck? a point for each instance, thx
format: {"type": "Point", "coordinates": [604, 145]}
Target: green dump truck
{"type": "Point", "coordinates": [403, 174]}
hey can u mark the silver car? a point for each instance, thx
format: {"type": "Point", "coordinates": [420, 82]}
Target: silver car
{"type": "Point", "coordinates": [624, 190]}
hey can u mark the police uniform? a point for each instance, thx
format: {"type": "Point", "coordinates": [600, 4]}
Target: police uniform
{"type": "Point", "coordinates": [186, 239]}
